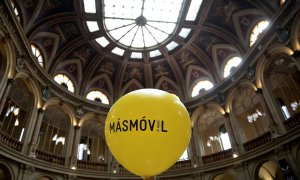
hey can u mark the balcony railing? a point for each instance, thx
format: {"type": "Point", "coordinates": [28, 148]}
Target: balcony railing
{"type": "Point", "coordinates": [182, 164]}
{"type": "Point", "coordinates": [293, 122]}
{"type": "Point", "coordinates": [93, 166]}
{"type": "Point", "coordinates": [51, 158]}
{"type": "Point", "coordinates": [10, 142]}
{"type": "Point", "coordinates": [217, 156]}
{"type": "Point", "coordinates": [260, 140]}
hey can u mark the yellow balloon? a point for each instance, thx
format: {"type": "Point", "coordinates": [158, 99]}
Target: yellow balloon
{"type": "Point", "coordinates": [147, 131]}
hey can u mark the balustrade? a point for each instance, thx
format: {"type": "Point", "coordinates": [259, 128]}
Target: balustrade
{"type": "Point", "coordinates": [93, 166]}
{"type": "Point", "coordinates": [51, 158]}
{"type": "Point", "coordinates": [260, 140]}
{"type": "Point", "coordinates": [10, 142]}
{"type": "Point", "coordinates": [293, 122]}
{"type": "Point", "coordinates": [217, 156]}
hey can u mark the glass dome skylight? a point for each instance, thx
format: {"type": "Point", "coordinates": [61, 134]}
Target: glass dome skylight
{"type": "Point", "coordinates": [141, 24]}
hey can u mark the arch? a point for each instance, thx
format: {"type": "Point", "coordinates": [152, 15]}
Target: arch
{"type": "Point", "coordinates": [90, 115]}
{"type": "Point", "coordinates": [251, 29]}
{"type": "Point", "coordinates": [45, 177]}
{"type": "Point", "coordinates": [223, 175]}
{"type": "Point", "coordinates": [130, 83]}
{"type": "Point", "coordinates": [66, 108]}
{"type": "Point", "coordinates": [32, 85]}
{"type": "Point", "coordinates": [109, 92]}
{"type": "Point", "coordinates": [7, 170]}
{"type": "Point", "coordinates": [233, 91]}
{"type": "Point", "coordinates": [174, 90]}
{"type": "Point", "coordinates": [267, 169]}
{"type": "Point", "coordinates": [7, 60]}
{"type": "Point", "coordinates": [274, 51]}
{"type": "Point", "coordinates": [295, 33]}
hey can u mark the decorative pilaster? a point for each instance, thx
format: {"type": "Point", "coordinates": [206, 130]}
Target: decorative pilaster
{"type": "Point", "coordinates": [35, 135]}
{"type": "Point", "coordinates": [233, 141]}
{"type": "Point", "coordinates": [195, 148]}
{"type": "Point", "coordinates": [3, 99]}
{"type": "Point", "coordinates": [237, 132]}
{"type": "Point", "coordinates": [73, 158]}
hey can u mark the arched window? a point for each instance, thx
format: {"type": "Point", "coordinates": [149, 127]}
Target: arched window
{"type": "Point", "coordinates": [257, 31]}
{"type": "Point", "coordinates": [54, 131]}
{"type": "Point", "coordinates": [37, 53]}
{"type": "Point", "coordinates": [251, 113]}
{"type": "Point", "coordinates": [284, 82]}
{"type": "Point", "coordinates": [64, 81]}
{"type": "Point", "coordinates": [214, 137]}
{"type": "Point", "coordinates": [97, 96]}
{"type": "Point", "coordinates": [281, 2]}
{"type": "Point", "coordinates": [201, 86]}
{"type": "Point", "coordinates": [15, 112]}
{"type": "Point", "coordinates": [15, 9]}
{"type": "Point", "coordinates": [230, 65]}
{"type": "Point", "coordinates": [92, 144]}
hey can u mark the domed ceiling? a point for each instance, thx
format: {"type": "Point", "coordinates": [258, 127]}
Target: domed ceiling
{"type": "Point", "coordinates": [172, 51]}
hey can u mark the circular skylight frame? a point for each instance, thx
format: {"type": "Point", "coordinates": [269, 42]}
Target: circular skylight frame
{"type": "Point", "coordinates": [138, 24]}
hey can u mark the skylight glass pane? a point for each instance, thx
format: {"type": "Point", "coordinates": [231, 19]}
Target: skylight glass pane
{"type": "Point", "coordinates": [118, 33]}
{"type": "Point", "coordinates": [89, 6]}
{"type": "Point", "coordinates": [102, 41]}
{"type": "Point", "coordinates": [162, 15]}
{"type": "Point", "coordinates": [92, 25]}
{"type": "Point", "coordinates": [127, 39]}
{"type": "Point", "coordinates": [136, 55]}
{"type": "Point", "coordinates": [118, 51]}
{"type": "Point", "coordinates": [138, 39]}
{"type": "Point", "coordinates": [172, 45]}
{"type": "Point", "coordinates": [155, 53]}
{"type": "Point", "coordinates": [149, 40]}
{"type": "Point", "coordinates": [159, 36]}
{"type": "Point", "coordinates": [117, 23]}
{"type": "Point", "coordinates": [166, 27]}
{"type": "Point", "coordinates": [184, 32]}
{"type": "Point", "coordinates": [193, 10]}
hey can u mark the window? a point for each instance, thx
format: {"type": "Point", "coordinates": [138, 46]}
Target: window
{"type": "Point", "coordinates": [102, 41]}
{"type": "Point", "coordinates": [201, 86]}
{"type": "Point", "coordinates": [184, 156]}
{"type": "Point", "coordinates": [89, 6]}
{"type": "Point", "coordinates": [193, 10]}
{"type": "Point", "coordinates": [64, 81]}
{"type": "Point", "coordinates": [141, 24]}
{"type": "Point", "coordinates": [37, 53]}
{"type": "Point", "coordinates": [184, 32]}
{"type": "Point", "coordinates": [224, 138]}
{"type": "Point", "coordinates": [92, 26]}
{"type": "Point", "coordinates": [15, 9]}
{"type": "Point", "coordinates": [97, 96]}
{"type": "Point", "coordinates": [257, 31]}
{"type": "Point", "coordinates": [230, 65]}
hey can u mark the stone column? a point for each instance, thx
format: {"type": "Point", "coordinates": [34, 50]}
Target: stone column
{"type": "Point", "coordinates": [196, 158]}
{"type": "Point", "coordinates": [274, 110]}
{"type": "Point", "coordinates": [237, 132]}
{"type": "Point", "coordinates": [275, 128]}
{"type": "Point", "coordinates": [233, 141]}
{"type": "Point", "coordinates": [76, 139]}
{"type": "Point", "coordinates": [3, 99]}
{"type": "Point", "coordinates": [36, 132]}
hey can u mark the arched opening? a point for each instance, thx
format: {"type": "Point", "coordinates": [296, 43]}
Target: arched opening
{"type": "Point", "coordinates": [92, 142]}
{"type": "Point", "coordinates": [224, 176]}
{"type": "Point", "coordinates": [5, 173]}
{"type": "Point", "coordinates": [209, 125]}
{"type": "Point", "coordinates": [16, 111]}
{"type": "Point", "coordinates": [97, 96]}
{"type": "Point", "coordinates": [283, 78]}
{"type": "Point", "coordinates": [65, 82]}
{"type": "Point", "coordinates": [270, 170]}
{"type": "Point", "coordinates": [250, 112]}
{"type": "Point", "coordinates": [54, 129]}
{"type": "Point", "coordinates": [201, 86]}
{"type": "Point", "coordinates": [257, 31]}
